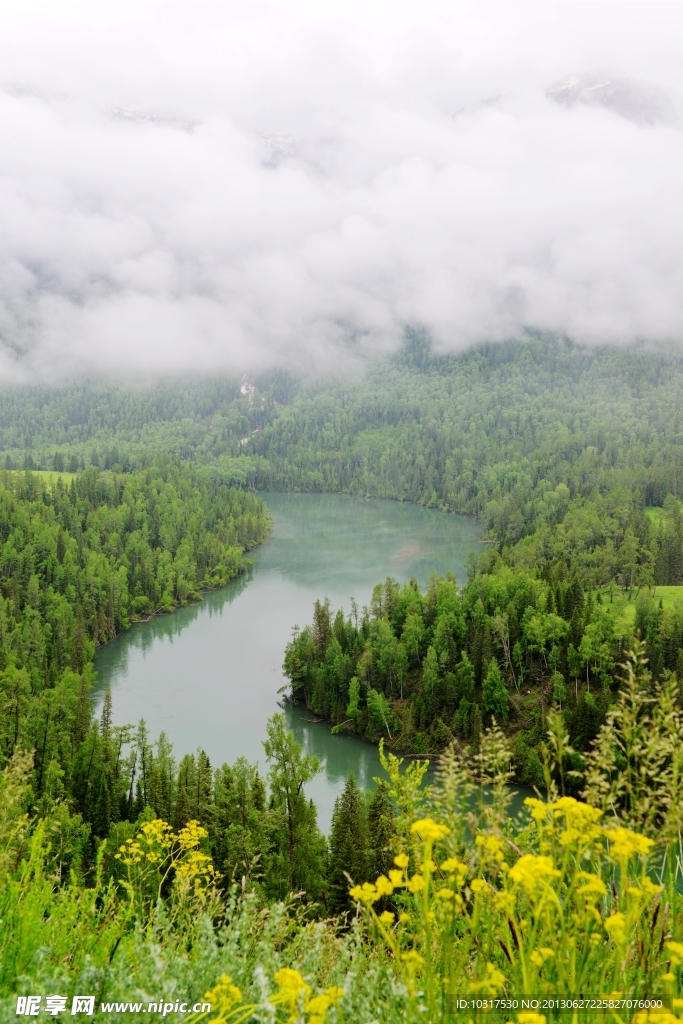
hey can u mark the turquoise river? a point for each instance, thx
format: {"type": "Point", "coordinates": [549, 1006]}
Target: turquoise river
{"type": "Point", "coordinates": [210, 675]}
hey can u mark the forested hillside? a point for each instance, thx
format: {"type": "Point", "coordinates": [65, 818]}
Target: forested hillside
{"type": "Point", "coordinates": [79, 561]}
{"type": "Point", "coordinates": [539, 438]}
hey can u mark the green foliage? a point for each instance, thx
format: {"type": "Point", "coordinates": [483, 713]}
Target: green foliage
{"type": "Point", "coordinates": [349, 846]}
{"type": "Point", "coordinates": [511, 645]}
{"type": "Point", "coordinates": [558, 450]}
{"type": "Point", "coordinates": [77, 564]}
{"type": "Point", "coordinates": [493, 692]}
{"type": "Point", "coordinates": [296, 861]}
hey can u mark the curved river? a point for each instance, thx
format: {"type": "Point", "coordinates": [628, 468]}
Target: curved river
{"type": "Point", "coordinates": [209, 675]}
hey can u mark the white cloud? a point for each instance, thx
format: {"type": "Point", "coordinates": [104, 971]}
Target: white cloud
{"type": "Point", "coordinates": [207, 185]}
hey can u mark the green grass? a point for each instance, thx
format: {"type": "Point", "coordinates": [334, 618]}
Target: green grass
{"type": "Point", "coordinates": [655, 514]}
{"type": "Point", "coordinates": [625, 611]}
{"type": "Point", "coordinates": [50, 476]}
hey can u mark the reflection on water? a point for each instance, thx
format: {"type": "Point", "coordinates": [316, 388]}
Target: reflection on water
{"type": "Point", "coordinates": [342, 754]}
{"type": "Point", "coordinates": [113, 659]}
{"type": "Point", "coordinates": [209, 675]}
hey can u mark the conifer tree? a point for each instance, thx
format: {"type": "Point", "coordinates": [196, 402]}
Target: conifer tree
{"type": "Point", "coordinates": [494, 693]}
{"type": "Point", "coordinates": [182, 808]}
{"type": "Point", "coordinates": [298, 855]}
{"type": "Point", "coordinates": [381, 829]}
{"type": "Point", "coordinates": [349, 846]}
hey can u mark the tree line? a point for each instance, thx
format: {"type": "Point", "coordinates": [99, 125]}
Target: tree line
{"type": "Point", "coordinates": [547, 443]}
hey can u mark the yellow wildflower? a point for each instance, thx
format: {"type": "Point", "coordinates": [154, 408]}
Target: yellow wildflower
{"type": "Point", "coordinates": [539, 956]}
{"type": "Point", "coordinates": [402, 860]}
{"type": "Point", "coordinates": [539, 811]}
{"type": "Point", "coordinates": [649, 887]}
{"type": "Point", "coordinates": [366, 893]}
{"type": "Point", "coordinates": [529, 1018]}
{"type": "Point", "coordinates": [530, 871]}
{"type": "Point", "coordinates": [224, 996]}
{"type": "Point", "coordinates": [615, 926]}
{"type": "Point", "coordinates": [504, 901]}
{"type": "Point", "coordinates": [675, 952]}
{"type": "Point", "coordinates": [412, 958]}
{"type": "Point", "coordinates": [191, 835]}
{"type": "Point", "coordinates": [451, 865]}
{"type": "Point", "coordinates": [592, 885]}
{"type": "Point", "coordinates": [404, 918]}
{"type": "Point", "coordinates": [387, 918]}
{"type": "Point", "coordinates": [318, 1006]}
{"type": "Point", "coordinates": [494, 848]}
{"type": "Point", "coordinates": [428, 830]}
{"type": "Point", "coordinates": [195, 867]}
{"type": "Point", "coordinates": [445, 893]}
{"type": "Point", "coordinates": [416, 884]}
{"type": "Point", "coordinates": [384, 886]}
{"type": "Point", "coordinates": [490, 984]}
{"type": "Point", "coordinates": [478, 885]}
{"type": "Point", "coordinates": [396, 877]}
{"type": "Point", "coordinates": [625, 844]}
{"type": "Point", "coordinates": [576, 814]}
{"type": "Point", "coordinates": [292, 987]}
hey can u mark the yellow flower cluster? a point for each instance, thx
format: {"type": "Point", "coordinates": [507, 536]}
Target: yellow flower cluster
{"type": "Point", "coordinates": [531, 872]}
{"type": "Point", "coordinates": [293, 993]}
{"type": "Point", "coordinates": [223, 997]}
{"type": "Point", "coordinates": [292, 990]}
{"type": "Point", "coordinates": [152, 843]}
{"type": "Point", "coordinates": [491, 984]}
{"type": "Point", "coordinates": [615, 926]}
{"type": "Point", "coordinates": [191, 835]}
{"type": "Point", "coordinates": [130, 853]}
{"type": "Point", "coordinates": [428, 830]}
{"type": "Point", "coordinates": [369, 893]}
{"type": "Point", "coordinates": [580, 821]}
{"type": "Point", "coordinates": [624, 844]}
{"type": "Point", "coordinates": [195, 868]}
{"type": "Point", "coordinates": [157, 844]}
{"type": "Point", "coordinates": [581, 828]}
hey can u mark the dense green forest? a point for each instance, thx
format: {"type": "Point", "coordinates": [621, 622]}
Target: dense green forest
{"type": "Point", "coordinates": [542, 440]}
{"type": "Point", "coordinates": [425, 669]}
{"type": "Point", "coordinates": [144, 877]}
{"type": "Point", "coordinates": [79, 561]}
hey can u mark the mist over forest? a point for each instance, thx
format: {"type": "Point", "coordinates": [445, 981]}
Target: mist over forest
{"type": "Point", "coordinates": [257, 187]}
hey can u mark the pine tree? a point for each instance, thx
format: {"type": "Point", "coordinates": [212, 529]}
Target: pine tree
{"type": "Point", "coordinates": [201, 802]}
{"type": "Point", "coordinates": [494, 693]}
{"type": "Point", "coordinates": [381, 829]}
{"type": "Point", "coordinates": [297, 860]}
{"type": "Point", "coordinates": [79, 650]}
{"type": "Point", "coordinates": [82, 723]}
{"type": "Point", "coordinates": [106, 718]}
{"type": "Point", "coordinates": [182, 811]}
{"type": "Point", "coordinates": [430, 679]}
{"type": "Point", "coordinates": [349, 845]}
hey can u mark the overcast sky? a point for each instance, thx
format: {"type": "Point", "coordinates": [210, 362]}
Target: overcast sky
{"type": "Point", "coordinates": [211, 184]}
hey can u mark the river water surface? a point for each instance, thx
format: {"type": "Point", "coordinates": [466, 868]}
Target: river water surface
{"type": "Point", "coordinates": [209, 675]}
